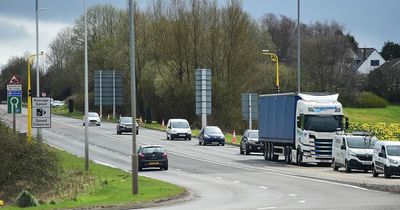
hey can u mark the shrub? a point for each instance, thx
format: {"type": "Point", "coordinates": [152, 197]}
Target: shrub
{"type": "Point", "coordinates": [370, 100]}
{"type": "Point", "coordinates": [382, 131]}
{"type": "Point", "coordinates": [25, 199]}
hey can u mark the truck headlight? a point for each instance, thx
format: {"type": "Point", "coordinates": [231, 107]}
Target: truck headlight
{"type": "Point", "coordinates": [392, 161]}
{"type": "Point", "coordinates": [353, 154]}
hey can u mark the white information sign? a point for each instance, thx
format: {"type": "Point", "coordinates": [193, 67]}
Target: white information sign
{"type": "Point", "coordinates": [41, 112]}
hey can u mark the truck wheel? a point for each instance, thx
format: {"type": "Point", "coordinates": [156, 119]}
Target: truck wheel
{"type": "Point", "coordinates": [241, 150]}
{"type": "Point", "coordinates": [334, 166]}
{"type": "Point", "coordinates": [347, 168]}
{"type": "Point", "coordinates": [299, 157]}
{"type": "Point", "coordinates": [386, 172]}
{"type": "Point", "coordinates": [288, 155]}
{"type": "Point", "coordinates": [374, 173]}
{"type": "Point", "coordinates": [265, 153]}
{"type": "Point", "coordinates": [269, 151]}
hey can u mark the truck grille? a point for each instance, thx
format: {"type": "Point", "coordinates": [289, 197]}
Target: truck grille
{"type": "Point", "coordinates": [323, 148]}
{"type": "Point", "coordinates": [365, 157]}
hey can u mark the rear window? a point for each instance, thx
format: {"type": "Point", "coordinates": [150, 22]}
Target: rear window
{"type": "Point", "coordinates": [153, 149]}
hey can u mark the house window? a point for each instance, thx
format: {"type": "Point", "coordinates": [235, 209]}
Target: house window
{"type": "Point", "coordinates": [374, 62]}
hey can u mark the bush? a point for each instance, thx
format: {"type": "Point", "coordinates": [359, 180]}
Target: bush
{"type": "Point", "coordinates": [25, 199]}
{"type": "Point", "coordinates": [32, 167]}
{"type": "Point", "coordinates": [370, 100]}
{"type": "Point", "coordinates": [383, 131]}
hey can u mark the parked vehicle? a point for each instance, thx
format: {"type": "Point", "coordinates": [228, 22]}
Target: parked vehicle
{"type": "Point", "coordinates": [250, 142]}
{"type": "Point", "coordinates": [57, 103]}
{"type": "Point", "coordinates": [210, 135]}
{"type": "Point", "coordinates": [93, 119]}
{"type": "Point", "coordinates": [300, 126]}
{"type": "Point", "coordinates": [386, 159]}
{"type": "Point", "coordinates": [178, 128]}
{"type": "Point", "coordinates": [125, 125]}
{"type": "Point", "coordinates": [152, 156]}
{"type": "Point", "coordinates": [353, 152]}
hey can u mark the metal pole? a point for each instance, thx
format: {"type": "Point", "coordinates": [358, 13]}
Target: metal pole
{"type": "Point", "coordinates": [29, 126]}
{"type": "Point", "coordinates": [13, 106]}
{"type": "Point", "coordinates": [298, 46]}
{"type": "Point", "coordinates": [203, 98]}
{"type": "Point", "coordinates": [250, 117]}
{"type": "Point", "coordinates": [101, 95]}
{"type": "Point", "coordinates": [135, 187]}
{"type": "Point", "coordinates": [277, 74]}
{"type": "Point", "coordinates": [114, 94]}
{"type": "Point", "coordinates": [86, 97]}
{"type": "Point", "coordinates": [38, 135]}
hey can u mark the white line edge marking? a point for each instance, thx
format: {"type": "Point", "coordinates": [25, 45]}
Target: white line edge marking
{"type": "Point", "coordinates": [263, 187]}
{"type": "Point", "coordinates": [270, 207]}
{"type": "Point", "coordinates": [236, 181]}
{"type": "Point", "coordinates": [302, 201]}
{"type": "Point", "coordinates": [293, 195]}
{"type": "Point", "coordinates": [105, 164]}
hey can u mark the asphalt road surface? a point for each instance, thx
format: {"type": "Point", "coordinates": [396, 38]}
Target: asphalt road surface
{"type": "Point", "coordinates": [217, 177]}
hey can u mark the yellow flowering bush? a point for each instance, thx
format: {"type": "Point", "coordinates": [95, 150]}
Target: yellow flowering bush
{"type": "Point", "coordinates": [383, 131]}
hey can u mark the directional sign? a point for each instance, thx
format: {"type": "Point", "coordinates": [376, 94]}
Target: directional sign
{"type": "Point", "coordinates": [14, 93]}
{"type": "Point", "coordinates": [14, 87]}
{"type": "Point", "coordinates": [41, 112]}
{"type": "Point", "coordinates": [14, 104]}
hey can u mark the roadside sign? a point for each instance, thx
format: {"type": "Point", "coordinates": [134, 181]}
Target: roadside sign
{"type": "Point", "coordinates": [14, 93]}
{"type": "Point", "coordinates": [43, 94]}
{"type": "Point", "coordinates": [14, 87]}
{"type": "Point", "coordinates": [14, 104]}
{"type": "Point", "coordinates": [41, 112]}
{"type": "Point", "coordinates": [14, 80]}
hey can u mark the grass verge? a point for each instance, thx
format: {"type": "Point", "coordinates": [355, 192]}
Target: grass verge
{"type": "Point", "coordinates": [111, 188]}
{"type": "Point", "coordinates": [390, 114]}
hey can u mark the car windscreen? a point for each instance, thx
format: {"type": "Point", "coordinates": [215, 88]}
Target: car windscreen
{"type": "Point", "coordinates": [147, 150]}
{"type": "Point", "coordinates": [253, 134]}
{"type": "Point", "coordinates": [126, 120]}
{"type": "Point", "coordinates": [323, 123]}
{"type": "Point", "coordinates": [92, 115]}
{"type": "Point", "coordinates": [180, 125]}
{"type": "Point", "coordinates": [213, 130]}
{"type": "Point", "coordinates": [393, 150]}
{"type": "Point", "coordinates": [361, 142]}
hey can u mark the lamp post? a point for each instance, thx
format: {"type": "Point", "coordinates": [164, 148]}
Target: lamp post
{"type": "Point", "coordinates": [37, 58]}
{"type": "Point", "coordinates": [275, 59]}
{"type": "Point", "coordinates": [30, 58]}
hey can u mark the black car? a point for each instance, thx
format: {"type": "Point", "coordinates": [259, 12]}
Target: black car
{"type": "Point", "coordinates": [152, 156]}
{"type": "Point", "coordinates": [125, 125]}
{"type": "Point", "coordinates": [250, 142]}
{"type": "Point", "coordinates": [211, 134]}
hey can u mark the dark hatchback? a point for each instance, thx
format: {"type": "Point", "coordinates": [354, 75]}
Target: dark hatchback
{"type": "Point", "coordinates": [125, 125]}
{"type": "Point", "coordinates": [211, 134]}
{"type": "Point", "coordinates": [152, 156]}
{"type": "Point", "coordinates": [250, 142]}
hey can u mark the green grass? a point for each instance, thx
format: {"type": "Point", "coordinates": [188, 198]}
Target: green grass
{"type": "Point", "coordinates": [112, 188]}
{"type": "Point", "coordinates": [63, 111]}
{"type": "Point", "coordinates": [390, 114]}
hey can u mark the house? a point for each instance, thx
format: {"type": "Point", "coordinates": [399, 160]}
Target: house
{"type": "Point", "coordinates": [385, 80]}
{"type": "Point", "coordinates": [366, 59]}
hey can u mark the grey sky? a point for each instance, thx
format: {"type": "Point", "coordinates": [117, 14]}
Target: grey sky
{"type": "Point", "coordinates": [372, 22]}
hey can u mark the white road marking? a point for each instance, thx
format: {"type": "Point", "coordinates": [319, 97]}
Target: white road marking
{"type": "Point", "coordinates": [302, 201]}
{"type": "Point", "coordinates": [218, 177]}
{"type": "Point", "coordinates": [238, 182]}
{"type": "Point", "coordinates": [178, 169]}
{"type": "Point", "coordinates": [263, 187]}
{"type": "Point", "coordinates": [106, 164]}
{"type": "Point", "coordinates": [270, 207]}
{"type": "Point", "coordinates": [293, 195]}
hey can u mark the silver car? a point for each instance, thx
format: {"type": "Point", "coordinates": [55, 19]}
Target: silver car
{"type": "Point", "coordinates": [125, 125]}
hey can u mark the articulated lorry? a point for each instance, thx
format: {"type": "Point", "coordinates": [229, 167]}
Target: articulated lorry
{"type": "Point", "coordinates": [300, 126]}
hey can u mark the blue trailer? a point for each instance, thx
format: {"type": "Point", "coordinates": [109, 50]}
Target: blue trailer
{"type": "Point", "coordinates": [299, 127]}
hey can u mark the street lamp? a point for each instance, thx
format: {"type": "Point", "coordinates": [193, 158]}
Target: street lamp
{"type": "Point", "coordinates": [30, 59]}
{"type": "Point", "coordinates": [37, 57]}
{"type": "Point", "coordinates": [274, 58]}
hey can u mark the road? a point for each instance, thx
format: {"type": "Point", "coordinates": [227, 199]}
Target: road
{"type": "Point", "coordinates": [218, 177]}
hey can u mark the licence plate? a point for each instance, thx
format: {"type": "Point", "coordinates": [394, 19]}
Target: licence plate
{"type": "Point", "coordinates": [182, 134]}
{"type": "Point", "coordinates": [153, 163]}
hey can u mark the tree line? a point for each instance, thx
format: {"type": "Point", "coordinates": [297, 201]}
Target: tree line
{"type": "Point", "coordinates": [173, 38]}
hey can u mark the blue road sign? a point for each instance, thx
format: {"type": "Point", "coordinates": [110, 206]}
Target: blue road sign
{"type": "Point", "coordinates": [14, 93]}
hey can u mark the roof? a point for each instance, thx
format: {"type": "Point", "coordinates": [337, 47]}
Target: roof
{"type": "Point", "coordinates": [389, 143]}
{"type": "Point", "coordinates": [390, 65]}
{"type": "Point", "coordinates": [363, 54]}
{"type": "Point", "coordinates": [178, 120]}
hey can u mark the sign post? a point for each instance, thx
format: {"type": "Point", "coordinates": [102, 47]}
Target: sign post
{"type": "Point", "coordinates": [203, 94]}
{"type": "Point", "coordinates": [14, 98]}
{"type": "Point", "coordinates": [41, 112]}
{"type": "Point", "coordinates": [250, 108]}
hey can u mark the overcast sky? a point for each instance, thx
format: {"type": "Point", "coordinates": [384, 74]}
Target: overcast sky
{"type": "Point", "coordinates": [372, 22]}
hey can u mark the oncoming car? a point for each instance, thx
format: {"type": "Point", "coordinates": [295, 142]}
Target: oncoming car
{"type": "Point", "coordinates": [152, 156]}
{"type": "Point", "coordinates": [125, 125]}
{"type": "Point", "coordinates": [211, 134]}
{"type": "Point", "coordinates": [93, 119]}
{"type": "Point", "coordinates": [250, 142]}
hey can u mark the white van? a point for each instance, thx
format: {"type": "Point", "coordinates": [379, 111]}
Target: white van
{"type": "Point", "coordinates": [178, 128]}
{"type": "Point", "coordinates": [352, 152]}
{"type": "Point", "coordinates": [386, 159]}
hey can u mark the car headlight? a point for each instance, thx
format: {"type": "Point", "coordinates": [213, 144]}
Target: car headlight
{"type": "Point", "coordinates": [173, 131]}
{"type": "Point", "coordinates": [252, 141]}
{"type": "Point", "coordinates": [206, 136]}
{"type": "Point", "coordinates": [353, 154]}
{"type": "Point", "coordinates": [392, 161]}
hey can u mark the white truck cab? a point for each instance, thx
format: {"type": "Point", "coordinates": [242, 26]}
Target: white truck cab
{"type": "Point", "coordinates": [178, 128]}
{"type": "Point", "coordinates": [386, 159]}
{"type": "Point", "coordinates": [352, 151]}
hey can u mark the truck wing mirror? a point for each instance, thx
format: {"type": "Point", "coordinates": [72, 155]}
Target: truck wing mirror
{"type": "Point", "coordinates": [346, 124]}
{"type": "Point", "coordinates": [381, 155]}
{"type": "Point", "coordinates": [299, 122]}
{"type": "Point", "coordinates": [343, 147]}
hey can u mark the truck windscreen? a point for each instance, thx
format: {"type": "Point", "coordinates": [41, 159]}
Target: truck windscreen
{"type": "Point", "coordinates": [323, 123]}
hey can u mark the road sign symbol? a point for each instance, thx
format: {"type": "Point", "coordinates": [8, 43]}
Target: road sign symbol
{"type": "Point", "coordinates": [14, 104]}
{"type": "Point", "coordinates": [43, 94]}
{"type": "Point", "coordinates": [41, 112]}
{"type": "Point", "coordinates": [14, 80]}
